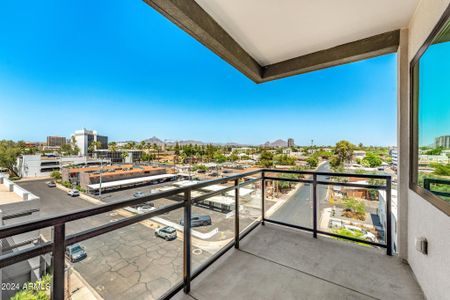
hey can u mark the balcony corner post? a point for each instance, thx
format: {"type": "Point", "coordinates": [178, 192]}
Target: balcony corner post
{"type": "Point", "coordinates": [58, 264]}
{"type": "Point", "coordinates": [315, 205]}
{"type": "Point", "coordinates": [263, 186]}
{"type": "Point", "coordinates": [388, 217]}
{"type": "Point", "coordinates": [236, 214]}
{"type": "Point", "coordinates": [187, 242]}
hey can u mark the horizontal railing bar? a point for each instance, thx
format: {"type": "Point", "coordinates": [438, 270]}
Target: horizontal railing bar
{"type": "Point", "coordinates": [172, 291]}
{"type": "Point", "coordinates": [289, 225]}
{"type": "Point", "coordinates": [14, 229]}
{"type": "Point", "coordinates": [287, 179]}
{"type": "Point", "coordinates": [357, 185]}
{"type": "Point", "coordinates": [105, 228]}
{"type": "Point", "coordinates": [358, 175]}
{"type": "Point", "coordinates": [22, 255]}
{"type": "Point", "coordinates": [437, 181]}
{"type": "Point", "coordinates": [224, 190]}
{"type": "Point", "coordinates": [249, 229]}
{"type": "Point", "coordinates": [439, 193]}
{"type": "Point", "coordinates": [17, 256]}
{"type": "Point", "coordinates": [326, 233]}
{"type": "Point", "coordinates": [366, 186]}
{"type": "Point", "coordinates": [224, 179]}
{"type": "Point", "coordinates": [351, 239]}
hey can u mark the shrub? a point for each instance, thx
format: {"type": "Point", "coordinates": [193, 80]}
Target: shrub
{"type": "Point", "coordinates": [354, 209]}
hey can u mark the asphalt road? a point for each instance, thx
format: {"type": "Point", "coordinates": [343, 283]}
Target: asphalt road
{"type": "Point", "coordinates": [130, 263]}
{"type": "Point", "coordinates": [298, 209]}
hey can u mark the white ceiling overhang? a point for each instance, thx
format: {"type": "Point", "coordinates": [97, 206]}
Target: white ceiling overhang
{"type": "Point", "coordinates": [268, 39]}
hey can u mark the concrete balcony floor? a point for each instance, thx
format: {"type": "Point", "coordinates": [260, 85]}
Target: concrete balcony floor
{"type": "Point", "coordinates": [279, 263]}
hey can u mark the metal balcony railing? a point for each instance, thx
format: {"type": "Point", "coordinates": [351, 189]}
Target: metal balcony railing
{"type": "Point", "coordinates": [61, 240]}
{"type": "Point", "coordinates": [428, 184]}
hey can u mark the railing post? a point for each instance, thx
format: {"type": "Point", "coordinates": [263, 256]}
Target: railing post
{"type": "Point", "coordinates": [388, 217]}
{"type": "Point", "coordinates": [426, 184]}
{"type": "Point", "coordinates": [236, 215]}
{"type": "Point", "coordinates": [314, 205]}
{"type": "Point", "coordinates": [263, 189]}
{"type": "Point", "coordinates": [58, 264]}
{"type": "Point", "coordinates": [187, 242]}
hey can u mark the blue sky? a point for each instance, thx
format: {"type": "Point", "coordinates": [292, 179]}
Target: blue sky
{"type": "Point", "coordinates": [120, 68]}
{"type": "Point", "coordinates": [434, 94]}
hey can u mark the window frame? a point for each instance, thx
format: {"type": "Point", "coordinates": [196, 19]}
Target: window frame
{"type": "Point", "coordinates": [436, 201]}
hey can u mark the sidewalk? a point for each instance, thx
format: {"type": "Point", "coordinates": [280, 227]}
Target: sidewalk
{"type": "Point", "coordinates": [80, 289]}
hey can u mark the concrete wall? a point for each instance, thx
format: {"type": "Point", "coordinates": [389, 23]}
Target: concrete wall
{"type": "Point", "coordinates": [424, 220]}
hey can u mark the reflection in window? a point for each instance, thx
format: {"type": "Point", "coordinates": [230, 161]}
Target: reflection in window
{"type": "Point", "coordinates": [434, 117]}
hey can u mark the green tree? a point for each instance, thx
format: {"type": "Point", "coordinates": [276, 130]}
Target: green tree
{"type": "Point", "coordinates": [9, 151]}
{"type": "Point", "coordinates": [284, 159]}
{"type": "Point", "coordinates": [266, 159]}
{"type": "Point", "coordinates": [344, 151]}
{"type": "Point", "coordinates": [435, 151]}
{"type": "Point", "coordinates": [124, 155]}
{"type": "Point", "coordinates": [94, 146]}
{"type": "Point", "coordinates": [56, 175]}
{"type": "Point", "coordinates": [440, 169]}
{"type": "Point", "coordinates": [312, 161]}
{"type": "Point", "coordinates": [371, 160]}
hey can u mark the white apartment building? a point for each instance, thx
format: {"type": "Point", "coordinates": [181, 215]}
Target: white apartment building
{"type": "Point", "coordinates": [83, 139]}
{"type": "Point", "coordinates": [38, 165]}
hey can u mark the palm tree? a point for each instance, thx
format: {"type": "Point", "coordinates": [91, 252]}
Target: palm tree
{"type": "Point", "coordinates": [94, 145]}
{"type": "Point", "coordinates": [113, 147]}
{"type": "Point", "coordinates": [124, 155]}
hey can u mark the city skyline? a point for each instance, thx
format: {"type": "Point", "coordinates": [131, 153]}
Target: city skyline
{"type": "Point", "coordinates": [93, 75]}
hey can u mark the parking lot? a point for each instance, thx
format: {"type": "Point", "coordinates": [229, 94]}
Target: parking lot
{"type": "Point", "coordinates": [223, 222]}
{"type": "Point", "coordinates": [127, 263]}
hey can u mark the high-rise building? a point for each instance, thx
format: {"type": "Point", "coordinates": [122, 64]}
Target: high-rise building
{"type": "Point", "coordinates": [291, 142]}
{"type": "Point", "coordinates": [442, 141]}
{"type": "Point", "coordinates": [84, 138]}
{"type": "Point", "coordinates": [56, 141]}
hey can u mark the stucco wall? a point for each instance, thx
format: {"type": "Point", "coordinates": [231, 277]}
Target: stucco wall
{"type": "Point", "coordinates": [424, 220]}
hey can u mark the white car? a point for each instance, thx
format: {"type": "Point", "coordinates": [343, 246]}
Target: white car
{"type": "Point", "coordinates": [145, 208]}
{"type": "Point", "coordinates": [367, 235]}
{"type": "Point", "coordinates": [73, 193]}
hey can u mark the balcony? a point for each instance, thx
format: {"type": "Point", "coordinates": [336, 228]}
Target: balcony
{"type": "Point", "coordinates": [275, 262]}
{"type": "Point", "coordinates": [288, 256]}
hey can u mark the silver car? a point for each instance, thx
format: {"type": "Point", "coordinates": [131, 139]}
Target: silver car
{"type": "Point", "coordinates": [75, 253]}
{"type": "Point", "coordinates": [168, 233]}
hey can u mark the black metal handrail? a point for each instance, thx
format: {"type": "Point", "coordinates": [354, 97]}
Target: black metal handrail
{"type": "Point", "coordinates": [60, 240]}
{"type": "Point", "coordinates": [428, 182]}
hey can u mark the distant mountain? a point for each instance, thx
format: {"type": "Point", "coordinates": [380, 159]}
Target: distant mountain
{"type": "Point", "coordinates": [159, 142]}
{"type": "Point", "coordinates": [154, 140]}
{"type": "Point", "coordinates": [277, 143]}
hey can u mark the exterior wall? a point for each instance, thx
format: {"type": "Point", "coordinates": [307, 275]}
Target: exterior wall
{"type": "Point", "coordinates": [31, 166]}
{"type": "Point", "coordinates": [433, 270]}
{"type": "Point", "coordinates": [13, 213]}
{"type": "Point", "coordinates": [424, 220]}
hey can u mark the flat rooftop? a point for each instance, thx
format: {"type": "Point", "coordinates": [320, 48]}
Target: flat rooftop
{"type": "Point", "coordinates": [274, 262]}
{"type": "Point", "coordinates": [7, 197]}
{"type": "Point", "coordinates": [127, 182]}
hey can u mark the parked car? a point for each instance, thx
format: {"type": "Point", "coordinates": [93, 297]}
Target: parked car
{"type": "Point", "coordinates": [146, 207]}
{"type": "Point", "coordinates": [138, 194]}
{"type": "Point", "coordinates": [199, 220]}
{"type": "Point", "coordinates": [51, 184]}
{"type": "Point", "coordinates": [73, 193]}
{"type": "Point", "coordinates": [366, 235]}
{"type": "Point", "coordinates": [168, 233]}
{"type": "Point", "coordinates": [75, 253]}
